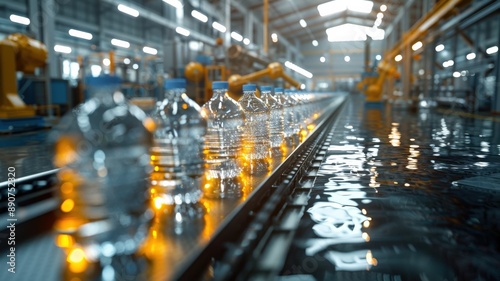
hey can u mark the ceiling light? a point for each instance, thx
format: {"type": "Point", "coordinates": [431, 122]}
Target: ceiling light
{"type": "Point", "coordinates": [120, 43]}
{"type": "Point", "coordinates": [19, 19]}
{"type": "Point", "coordinates": [353, 32]}
{"type": "Point", "coordinates": [303, 23]}
{"type": "Point", "coordinates": [417, 46]}
{"type": "Point", "coordinates": [359, 6]}
{"type": "Point", "coordinates": [322, 59]}
{"type": "Point", "coordinates": [470, 56]}
{"type": "Point", "coordinates": [236, 36]}
{"type": "Point", "coordinates": [274, 37]}
{"type": "Point", "coordinates": [135, 66]}
{"type": "Point", "coordinates": [380, 15]}
{"type": "Point", "coordinates": [448, 63]}
{"type": "Point", "coordinates": [62, 49]}
{"type": "Point", "coordinates": [302, 86]}
{"type": "Point", "coordinates": [246, 41]}
{"type": "Point", "coordinates": [347, 58]}
{"type": "Point", "coordinates": [80, 34]}
{"type": "Point", "coordinates": [126, 61]}
{"type": "Point", "coordinates": [439, 48]}
{"type": "Point", "coordinates": [383, 8]}
{"type": "Point", "coordinates": [199, 16]}
{"type": "Point", "coordinates": [127, 10]}
{"type": "Point", "coordinates": [456, 74]}
{"type": "Point", "coordinates": [298, 69]}
{"type": "Point", "coordinates": [219, 27]}
{"type": "Point", "coordinates": [378, 57]}
{"type": "Point", "coordinates": [398, 58]}
{"type": "Point", "coordinates": [106, 62]}
{"type": "Point", "coordinates": [492, 50]}
{"type": "Point", "coordinates": [315, 43]}
{"type": "Point", "coordinates": [182, 31]}
{"type": "Point", "coordinates": [149, 50]}
{"type": "Point", "coordinates": [174, 3]}
{"type": "Point", "coordinates": [338, 6]}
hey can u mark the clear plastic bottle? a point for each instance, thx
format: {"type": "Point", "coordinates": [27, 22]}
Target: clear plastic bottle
{"type": "Point", "coordinates": [276, 122]}
{"type": "Point", "coordinates": [288, 117]}
{"type": "Point", "coordinates": [223, 143]}
{"type": "Point", "coordinates": [256, 142]}
{"type": "Point", "coordinates": [296, 106]}
{"type": "Point", "coordinates": [102, 150]}
{"type": "Point", "coordinates": [176, 154]}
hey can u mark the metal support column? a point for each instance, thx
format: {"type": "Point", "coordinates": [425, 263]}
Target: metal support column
{"type": "Point", "coordinates": [34, 15]}
{"type": "Point", "coordinates": [48, 30]}
{"type": "Point", "coordinates": [496, 98]}
{"type": "Point", "coordinates": [265, 19]}
{"type": "Point", "coordinates": [248, 28]}
{"type": "Point", "coordinates": [407, 58]}
{"type": "Point", "coordinates": [227, 23]}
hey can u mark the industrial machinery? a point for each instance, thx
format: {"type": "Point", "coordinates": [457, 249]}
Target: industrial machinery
{"type": "Point", "coordinates": [18, 52]}
{"type": "Point", "coordinates": [374, 87]}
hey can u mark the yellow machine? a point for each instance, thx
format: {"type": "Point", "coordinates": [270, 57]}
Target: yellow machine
{"type": "Point", "coordinates": [18, 52]}
{"type": "Point", "coordinates": [374, 87]}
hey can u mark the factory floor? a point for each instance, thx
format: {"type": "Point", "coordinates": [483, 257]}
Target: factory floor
{"type": "Point", "coordinates": [400, 195]}
{"type": "Point", "coordinates": [403, 195]}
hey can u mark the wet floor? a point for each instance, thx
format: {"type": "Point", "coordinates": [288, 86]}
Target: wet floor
{"type": "Point", "coordinates": [402, 196]}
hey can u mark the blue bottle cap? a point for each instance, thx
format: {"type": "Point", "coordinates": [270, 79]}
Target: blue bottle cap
{"type": "Point", "coordinates": [279, 89]}
{"type": "Point", "coordinates": [218, 85]}
{"type": "Point", "coordinates": [102, 81]}
{"type": "Point", "coordinates": [249, 87]}
{"type": "Point", "coordinates": [175, 84]}
{"type": "Point", "coordinates": [266, 88]}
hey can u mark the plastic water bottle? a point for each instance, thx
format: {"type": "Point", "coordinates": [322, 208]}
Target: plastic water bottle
{"type": "Point", "coordinates": [276, 122]}
{"type": "Point", "coordinates": [102, 150]}
{"type": "Point", "coordinates": [176, 154]}
{"type": "Point", "coordinates": [297, 116]}
{"type": "Point", "coordinates": [288, 117]}
{"type": "Point", "coordinates": [223, 143]}
{"type": "Point", "coordinates": [256, 142]}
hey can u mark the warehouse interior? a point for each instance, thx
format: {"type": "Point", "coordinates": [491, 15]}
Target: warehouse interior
{"type": "Point", "coordinates": [394, 173]}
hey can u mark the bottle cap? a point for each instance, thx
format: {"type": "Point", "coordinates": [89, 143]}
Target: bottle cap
{"type": "Point", "coordinates": [266, 88]}
{"type": "Point", "coordinates": [218, 85]}
{"type": "Point", "coordinates": [102, 81]}
{"type": "Point", "coordinates": [249, 87]}
{"type": "Point", "coordinates": [279, 89]}
{"type": "Point", "coordinates": [175, 84]}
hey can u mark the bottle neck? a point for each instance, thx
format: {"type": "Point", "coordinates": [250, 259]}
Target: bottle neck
{"type": "Point", "coordinates": [173, 94]}
{"type": "Point", "coordinates": [249, 94]}
{"type": "Point", "coordinates": [219, 94]}
{"type": "Point", "coordinates": [104, 93]}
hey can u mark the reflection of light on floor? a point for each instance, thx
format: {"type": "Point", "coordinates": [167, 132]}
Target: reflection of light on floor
{"type": "Point", "coordinates": [351, 261]}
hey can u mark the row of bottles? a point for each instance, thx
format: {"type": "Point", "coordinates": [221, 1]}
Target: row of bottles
{"type": "Point", "coordinates": [105, 146]}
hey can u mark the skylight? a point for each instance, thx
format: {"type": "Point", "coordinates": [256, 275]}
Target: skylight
{"type": "Point", "coordinates": [353, 32]}
{"type": "Point", "coordinates": [338, 6]}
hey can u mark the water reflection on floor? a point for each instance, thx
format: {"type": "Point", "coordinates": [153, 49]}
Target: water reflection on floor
{"type": "Point", "coordinates": [388, 203]}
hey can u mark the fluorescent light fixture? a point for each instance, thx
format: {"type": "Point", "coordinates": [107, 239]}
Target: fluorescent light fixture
{"type": "Point", "coordinates": [174, 3]}
{"type": "Point", "coordinates": [199, 16]}
{"type": "Point", "coordinates": [106, 62]}
{"type": "Point", "coordinates": [120, 43]}
{"type": "Point", "coordinates": [378, 57]}
{"type": "Point", "coordinates": [303, 23]}
{"type": "Point", "coordinates": [236, 36]}
{"type": "Point", "coordinates": [126, 61]}
{"type": "Point", "coordinates": [377, 22]}
{"type": "Point", "coordinates": [439, 48]}
{"type": "Point", "coordinates": [398, 58]}
{"type": "Point", "coordinates": [127, 10]}
{"type": "Point", "coordinates": [182, 31]}
{"type": "Point", "coordinates": [380, 15]}
{"type": "Point", "coordinates": [417, 46]}
{"type": "Point", "coordinates": [62, 49]}
{"type": "Point", "coordinates": [383, 8]}
{"type": "Point", "coordinates": [246, 41]}
{"type": "Point", "coordinates": [322, 59]}
{"type": "Point", "coordinates": [219, 27]}
{"type": "Point", "coordinates": [195, 45]}
{"type": "Point", "coordinates": [149, 50]}
{"type": "Point", "coordinates": [456, 74]}
{"type": "Point", "coordinates": [338, 6]}
{"type": "Point", "coordinates": [470, 56]}
{"type": "Point", "coordinates": [80, 34]}
{"type": "Point", "coordinates": [135, 66]}
{"type": "Point", "coordinates": [315, 43]}
{"type": "Point", "coordinates": [448, 63]}
{"type": "Point", "coordinates": [298, 69]}
{"type": "Point", "coordinates": [347, 58]}
{"type": "Point", "coordinates": [492, 50]}
{"type": "Point", "coordinates": [274, 37]}
{"type": "Point", "coordinates": [19, 19]}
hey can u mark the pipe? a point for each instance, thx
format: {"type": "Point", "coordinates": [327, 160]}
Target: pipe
{"type": "Point", "coordinates": [265, 19]}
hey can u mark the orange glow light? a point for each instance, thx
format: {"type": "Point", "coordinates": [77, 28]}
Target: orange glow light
{"type": "Point", "coordinates": [67, 205]}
